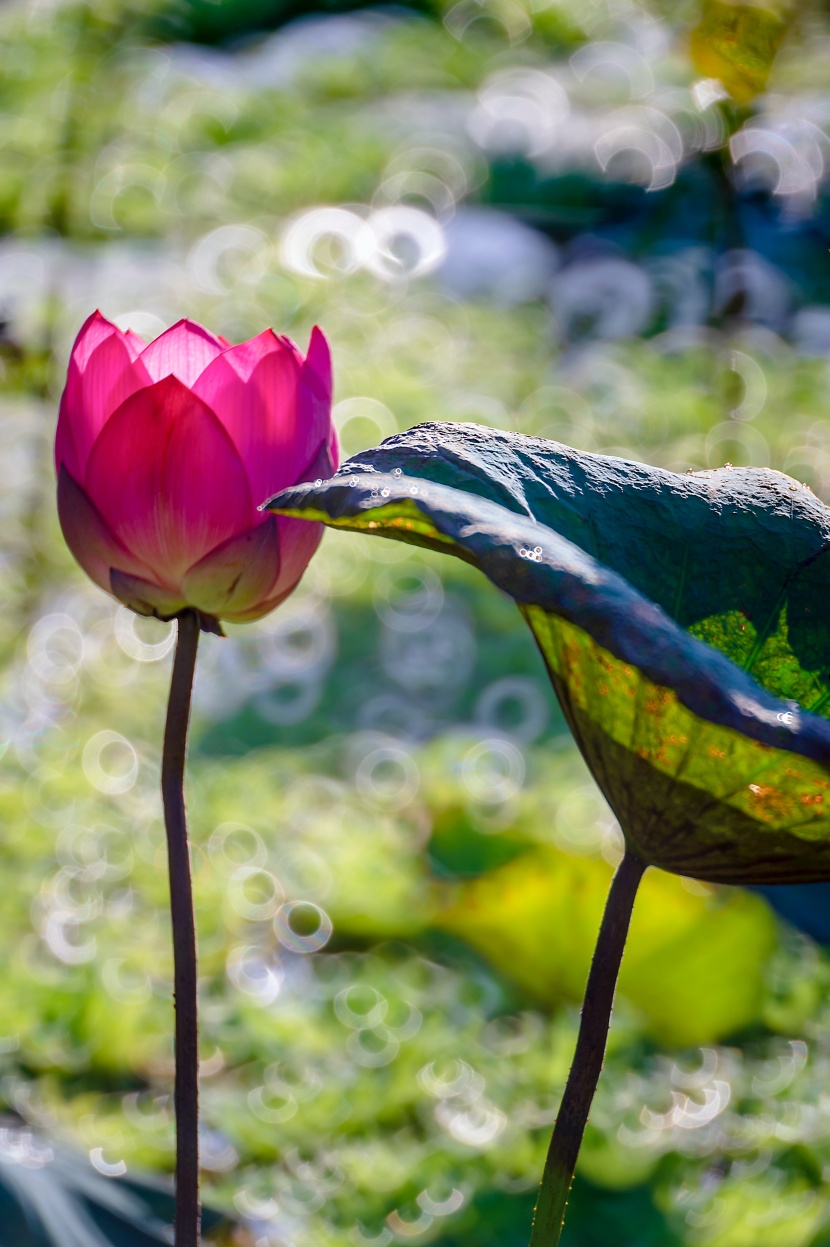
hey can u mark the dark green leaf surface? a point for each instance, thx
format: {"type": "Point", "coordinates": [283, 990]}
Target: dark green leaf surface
{"type": "Point", "coordinates": [682, 618]}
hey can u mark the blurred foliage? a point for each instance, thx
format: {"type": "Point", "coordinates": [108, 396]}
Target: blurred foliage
{"type": "Point", "coordinates": [694, 962]}
{"type": "Point", "coordinates": [384, 748]}
{"type": "Point", "coordinates": [737, 44]}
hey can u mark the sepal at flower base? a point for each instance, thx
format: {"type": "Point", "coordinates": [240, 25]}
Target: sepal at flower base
{"type": "Point", "coordinates": [237, 575]}
{"type": "Point", "coordinates": [145, 598]}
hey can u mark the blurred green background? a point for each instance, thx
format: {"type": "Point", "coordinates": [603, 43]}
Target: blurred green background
{"type": "Point", "coordinates": [596, 221]}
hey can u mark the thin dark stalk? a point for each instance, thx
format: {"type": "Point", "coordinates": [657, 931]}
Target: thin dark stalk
{"type": "Point", "coordinates": [185, 971]}
{"type": "Point", "coordinates": [589, 1055]}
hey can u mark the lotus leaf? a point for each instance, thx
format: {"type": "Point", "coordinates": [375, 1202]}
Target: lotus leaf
{"type": "Point", "coordinates": [682, 619]}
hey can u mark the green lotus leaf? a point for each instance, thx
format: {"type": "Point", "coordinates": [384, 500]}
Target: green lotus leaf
{"type": "Point", "coordinates": [682, 618]}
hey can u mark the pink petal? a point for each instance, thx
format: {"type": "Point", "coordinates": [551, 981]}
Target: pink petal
{"type": "Point", "coordinates": [275, 418]}
{"type": "Point", "coordinates": [298, 541]}
{"type": "Point", "coordinates": [95, 330]}
{"type": "Point", "coordinates": [334, 451]}
{"type": "Point", "coordinates": [316, 396]}
{"type": "Point", "coordinates": [166, 477]}
{"type": "Point", "coordinates": [296, 548]}
{"type": "Point", "coordinates": [253, 390]}
{"type": "Point", "coordinates": [66, 454]}
{"type": "Point", "coordinates": [102, 372]}
{"type": "Point", "coordinates": [184, 351]}
{"type": "Point", "coordinates": [245, 357]}
{"type": "Point", "coordinates": [262, 608]}
{"type": "Point", "coordinates": [296, 552]}
{"type": "Point", "coordinates": [134, 341]}
{"type": "Point", "coordinates": [322, 467]}
{"type": "Point", "coordinates": [318, 365]}
{"type": "Point", "coordinates": [143, 597]}
{"type": "Point", "coordinates": [236, 576]}
{"type": "Point", "coordinates": [89, 537]}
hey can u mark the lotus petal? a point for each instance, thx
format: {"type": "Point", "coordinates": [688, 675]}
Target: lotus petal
{"type": "Point", "coordinates": [166, 477]}
{"type": "Point", "coordinates": [236, 575]}
{"type": "Point", "coordinates": [184, 351]}
{"type": "Point", "coordinates": [103, 371]}
{"type": "Point", "coordinates": [91, 540]}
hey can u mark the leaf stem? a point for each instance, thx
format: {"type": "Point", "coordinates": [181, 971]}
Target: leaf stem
{"type": "Point", "coordinates": [589, 1055]}
{"type": "Point", "coordinates": [187, 1223]}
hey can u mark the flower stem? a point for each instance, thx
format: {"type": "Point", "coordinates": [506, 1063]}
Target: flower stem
{"type": "Point", "coordinates": [589, 1055]}
{"type": "Point", "coordinates": [184, 934]}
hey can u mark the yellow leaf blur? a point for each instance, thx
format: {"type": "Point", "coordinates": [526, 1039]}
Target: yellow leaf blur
{"type": "Point", "coordinates": [693, 964]}
{"type": "Point", "coordinates": [737, 44]}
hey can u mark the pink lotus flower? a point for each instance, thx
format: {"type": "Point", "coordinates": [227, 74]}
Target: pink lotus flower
{"type": "Point", "coordinates": [164, 452]}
